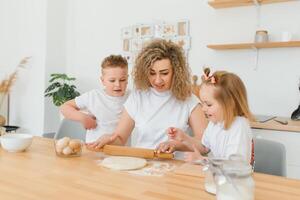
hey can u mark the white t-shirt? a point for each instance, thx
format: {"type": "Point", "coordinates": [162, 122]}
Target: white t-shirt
{"type": "Point", "coordinates": [154, 112]}
{"type": "Point", "coordinates": [236, 140]}
{"type": "Point", "coordinates": [107, 110]}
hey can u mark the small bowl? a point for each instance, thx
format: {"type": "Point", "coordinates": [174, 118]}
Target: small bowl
{"type": "Point", "coordinates": [16, 142]}
{"type": "Point", "coordinates": [67, 147]}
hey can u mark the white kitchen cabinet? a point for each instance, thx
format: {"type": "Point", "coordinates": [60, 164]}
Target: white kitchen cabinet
{"type": "Point", "coordinates": [291, 141]}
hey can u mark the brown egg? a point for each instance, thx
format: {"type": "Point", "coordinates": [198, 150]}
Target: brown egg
{"type": "Point", "coordinates": [63, 142]}
{"type": "Point", "coordinates": [75, 144]}
{"type": "Point", "coordinates": [67, 150]}
{"type": "Point", "coordinates": [77, 150]}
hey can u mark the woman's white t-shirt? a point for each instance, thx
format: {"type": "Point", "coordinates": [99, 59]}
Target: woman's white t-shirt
{"type": "Point", "coordinates": [236, 140]}
{"type": "Point", "coordinates": [154, 112]}
{"type": "Point", "coordinates": [107, 110]}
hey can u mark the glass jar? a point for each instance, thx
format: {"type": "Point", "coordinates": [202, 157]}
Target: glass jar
{"type": "Point", "coordinates": [67, 147]}
{"type": "Point", "coordinates": [261, 36]}
{"type": "Point", "coordinates": [209, 182]}
{"type": "Point", "coordinates": [234, 181]}
{"type": "Point", "coordinates": [210, 172]}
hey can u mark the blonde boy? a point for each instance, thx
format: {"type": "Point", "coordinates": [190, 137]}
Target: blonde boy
{"type": "Point", "coordinates": [104, 105]}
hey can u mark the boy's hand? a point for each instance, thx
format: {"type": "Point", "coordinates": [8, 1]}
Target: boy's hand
{"type": "Point", "coordinates": [101, 141]}
{"type": "Point", "coordinates": [167, 147]}
{"type": "Point", "coordinates": [191, 156]}
{"type": "Point", "coordinates": [176, 134]}
{"type": "Point", "coordinates": [89, 122]}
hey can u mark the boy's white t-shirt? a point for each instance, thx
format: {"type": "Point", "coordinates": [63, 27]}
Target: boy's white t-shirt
{"type": "Point", "coordinates": [236, 140]}
{"type": "Point", "coordinates": [154, 112]}
{"type": "Point", "coordinates": [107, 110]}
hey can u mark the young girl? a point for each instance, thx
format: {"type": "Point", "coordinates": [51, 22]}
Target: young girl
{"type": "Point", "coordinates": [224, 102]}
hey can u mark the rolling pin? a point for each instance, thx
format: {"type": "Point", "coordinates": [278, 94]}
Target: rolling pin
{"type": "Point", "coordinates": [134, 152]}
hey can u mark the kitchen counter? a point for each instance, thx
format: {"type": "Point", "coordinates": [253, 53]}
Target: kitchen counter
{"type": "Point", "coordinates": [39, 174]}
{"type": "Point", "coordinates": [291, 125]}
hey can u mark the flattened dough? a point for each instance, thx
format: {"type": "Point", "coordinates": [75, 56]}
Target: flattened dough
{"type": "Point", "coordinates": [123, 163]}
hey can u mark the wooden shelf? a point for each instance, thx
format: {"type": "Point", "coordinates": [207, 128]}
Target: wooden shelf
{"type": "Point", "coordinates": [254, 45]}
{"type": "Point", "coordinates": [237, 3]}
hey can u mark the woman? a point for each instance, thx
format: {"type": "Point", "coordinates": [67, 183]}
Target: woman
{"type": "Point", "coordinates": [162, 99]}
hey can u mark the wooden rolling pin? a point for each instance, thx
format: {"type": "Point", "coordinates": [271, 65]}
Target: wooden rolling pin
{"type": "Point", "coordinates": [134, 152]}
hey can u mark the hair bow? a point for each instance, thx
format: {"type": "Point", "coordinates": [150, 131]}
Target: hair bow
{"type": "Point", "coordinates": [207, 77]}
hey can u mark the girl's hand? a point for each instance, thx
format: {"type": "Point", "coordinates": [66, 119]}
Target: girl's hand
{"type": "Point", "coordinates": [100, 142]}
{"type": "Point", "coordinates": [89, 122]}
{"type": "Point", "coordinates": [176, 134]}
{"type": "Point", "coordinates": [192, 156]}
{"type": "Point", "coordinates": [167, 147]}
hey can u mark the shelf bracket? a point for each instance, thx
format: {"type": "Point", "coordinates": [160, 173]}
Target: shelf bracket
{"type": "Point", "coordinates": [256, 57]}
{"type": "Point", "coordinates": [258, 24]}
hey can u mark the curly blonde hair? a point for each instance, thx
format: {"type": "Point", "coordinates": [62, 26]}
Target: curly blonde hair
{"type": "Point", "coordinates": [231, 94]}
{"type": "Point", "coordinates": [157, 50]}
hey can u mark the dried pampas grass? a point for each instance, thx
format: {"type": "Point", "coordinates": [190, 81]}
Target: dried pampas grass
{"type": "Point", "coordinates": [6, 84]}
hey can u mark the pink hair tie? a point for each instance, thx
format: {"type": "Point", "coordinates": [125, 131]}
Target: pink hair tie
{"type": "Point", "coordinates": [206, 77]}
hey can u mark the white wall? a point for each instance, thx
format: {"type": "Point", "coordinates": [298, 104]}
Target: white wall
{"type": "Point", "coordinates": [22, 33]}
{"type": "Point", "coordinates": [94, 32]}
{"type": "Point", "coordinates": [55, 56]}
{"type": "Point", "coordinates": [35, 28]}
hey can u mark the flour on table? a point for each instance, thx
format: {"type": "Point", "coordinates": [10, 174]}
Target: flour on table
{"type": "Point", "coordinates": [154, 168]}
{"type": "Point", "coordinates": [123, 163]}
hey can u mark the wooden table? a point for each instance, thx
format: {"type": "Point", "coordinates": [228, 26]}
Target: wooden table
{"type": "Point", "coordinates": [39, 174]}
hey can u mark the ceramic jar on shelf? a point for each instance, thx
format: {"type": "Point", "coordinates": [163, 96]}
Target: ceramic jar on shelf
{"type": "Point", "coordinates": [261, 36]}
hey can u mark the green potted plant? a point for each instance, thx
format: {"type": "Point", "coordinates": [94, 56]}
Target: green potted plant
{"type": "Point", "coordinates": [61, 89]}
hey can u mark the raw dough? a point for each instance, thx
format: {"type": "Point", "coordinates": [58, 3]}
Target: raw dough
{"type": "Point", "coordinates": [123, 163]}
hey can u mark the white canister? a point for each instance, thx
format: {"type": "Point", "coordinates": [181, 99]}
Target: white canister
{"type": "Point", "coordinates": [261, 36]}
{"type": "Point", "coordinates": [286, 36]}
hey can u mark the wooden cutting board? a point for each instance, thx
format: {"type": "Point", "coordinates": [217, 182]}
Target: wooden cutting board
{"type": "Point", "coordinates": [189, 170]}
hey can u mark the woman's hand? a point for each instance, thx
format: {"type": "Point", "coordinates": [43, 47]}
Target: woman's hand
{"type": "Point", "coordinates": [167, 147]}
{"type": "Point", "coordinates": [88, 121]}
{"type": "Point", "coordinates": [176, 134]}
{"type": "Point", "coordinates": [100, 142]}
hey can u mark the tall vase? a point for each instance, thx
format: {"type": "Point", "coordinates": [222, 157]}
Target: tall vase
{"type": "Point", "coordinates": [3, 108]}
{"type": "Point", "coordinates": [2, 120]}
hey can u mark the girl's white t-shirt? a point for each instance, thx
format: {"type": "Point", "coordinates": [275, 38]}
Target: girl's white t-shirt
{"type": "Point", "coordinates": [154, 112]}
{"type": "Point", "coordinates": [236, 140]}
{"type": "Point", "coordinates": [107, 110]}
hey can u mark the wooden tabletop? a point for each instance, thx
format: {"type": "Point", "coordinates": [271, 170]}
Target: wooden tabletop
{"type": "Point", "coordinates": [293, 126]}
{"type": "Point", "coordinates": [39, 174]}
